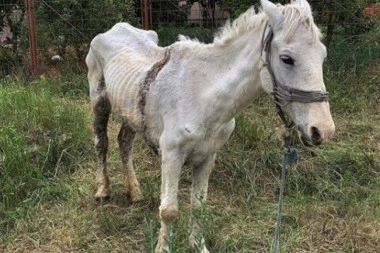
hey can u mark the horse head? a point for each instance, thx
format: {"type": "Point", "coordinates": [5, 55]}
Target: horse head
{"type": "Point", "coordinates": [294, 56]}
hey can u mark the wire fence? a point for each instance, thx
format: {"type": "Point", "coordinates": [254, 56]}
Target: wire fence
{"type": "Point", "coordinates": [64, 28]}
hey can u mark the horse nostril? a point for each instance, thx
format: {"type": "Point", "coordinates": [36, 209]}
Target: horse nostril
{"type": "Point", "coordinates": [316, 137]}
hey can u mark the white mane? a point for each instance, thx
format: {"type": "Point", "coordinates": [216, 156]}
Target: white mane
{"type": "Point", "coordinates": [299, 13]}
{"type": "Point", "coordinates": [244, 23]}
{"type": "Point", "coordinates": [294, 14]}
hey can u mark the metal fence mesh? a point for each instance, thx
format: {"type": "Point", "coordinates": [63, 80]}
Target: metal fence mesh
{"type": "Point", "coordinates": [65, 28]}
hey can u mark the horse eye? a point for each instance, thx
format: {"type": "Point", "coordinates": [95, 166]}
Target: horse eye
{"type": "Point", "coordinates": [287, 60]}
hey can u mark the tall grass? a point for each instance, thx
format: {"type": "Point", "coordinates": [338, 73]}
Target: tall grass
{"type": "Point", "coordinates": [41, 137]}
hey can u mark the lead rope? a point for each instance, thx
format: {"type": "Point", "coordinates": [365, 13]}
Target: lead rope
{"type": "Point", "coordinates": [289, 154]}
{"type": "Point", "coordinates": [289, 158]}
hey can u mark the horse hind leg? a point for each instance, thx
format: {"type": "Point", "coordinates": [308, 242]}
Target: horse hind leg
{"type": "Point", "coordinates": [102, 110]}
{"type": "Point", "coordinates": [125, 139]}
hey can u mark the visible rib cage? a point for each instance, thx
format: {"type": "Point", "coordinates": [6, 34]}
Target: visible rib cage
{"type": "Point", "coordinates": [124, 78]}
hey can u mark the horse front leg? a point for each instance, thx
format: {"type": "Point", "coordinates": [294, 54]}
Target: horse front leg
{"type": "Point", "coordinates": [201, 174]}
{"type": "Point", "coordinates": [172, 162]}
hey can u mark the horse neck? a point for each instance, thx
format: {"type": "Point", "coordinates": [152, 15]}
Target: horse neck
{"type": "Point", "coordinates": [238, 73]}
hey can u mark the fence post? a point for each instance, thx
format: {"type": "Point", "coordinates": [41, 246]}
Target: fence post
{"type": "Point", "coordinates": [145, 14]}
{"type": "Point", "coordinates": [30, 14]}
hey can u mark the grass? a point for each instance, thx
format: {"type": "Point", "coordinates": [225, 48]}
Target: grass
{"type": "Point", "coordinates": [47, 168]}
{"type": "Point", "coordinates": [41, 138]}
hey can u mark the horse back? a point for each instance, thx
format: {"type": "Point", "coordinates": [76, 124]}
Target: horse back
{"type": "Point", "coordinates": [123, 36]}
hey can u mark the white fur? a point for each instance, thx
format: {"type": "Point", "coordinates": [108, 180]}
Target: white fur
{"type": "Point", "coordinates": [193, 100]}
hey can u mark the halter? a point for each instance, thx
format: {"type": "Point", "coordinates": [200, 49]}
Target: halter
{"type": "Point", "coordinates": [284, 93]}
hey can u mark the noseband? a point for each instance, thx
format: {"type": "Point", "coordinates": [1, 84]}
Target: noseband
{"type": "Point", "coordinates": [283, 93]}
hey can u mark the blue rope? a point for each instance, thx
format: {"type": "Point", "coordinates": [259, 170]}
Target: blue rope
{"type": "Point", "coordinates": [289, 157]}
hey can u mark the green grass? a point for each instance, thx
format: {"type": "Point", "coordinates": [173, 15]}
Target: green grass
{"type": "Point", "coordinates": [41, 138]}
{"type": "Point", "coordinates": [331, 202]}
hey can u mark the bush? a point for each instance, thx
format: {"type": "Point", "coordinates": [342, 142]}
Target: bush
{"type": "Point", "coordinates": [169, 34]}
{"type": "Point", "coordinates": [355, 54]}
{"type": "Point", "coordinates": [9, 62]}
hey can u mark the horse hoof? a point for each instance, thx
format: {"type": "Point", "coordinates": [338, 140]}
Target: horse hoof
{"type": "Point", "coordinates": [134, 195]}
{"type": "Point", "coordinates": [134, 198]}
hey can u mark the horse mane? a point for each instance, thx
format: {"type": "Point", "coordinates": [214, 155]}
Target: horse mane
{"type": "Point", "coordinates": [244, 23]}
{"type": "Point", "coordinates": [293, 15]}
{"type": "Point", "coordinates": [299, 13]}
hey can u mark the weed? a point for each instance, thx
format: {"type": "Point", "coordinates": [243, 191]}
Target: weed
{"type": "Point", "coordinates": [150, 235]}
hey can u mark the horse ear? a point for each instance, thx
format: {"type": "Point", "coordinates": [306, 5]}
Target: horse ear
{"type": "Point", "coordinates": [276, 18]}
{"type": "Point", "coordinates": [303, 4]}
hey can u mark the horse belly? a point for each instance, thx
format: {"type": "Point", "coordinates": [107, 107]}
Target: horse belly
{"type": "Point", "coordinates": [123, 80]}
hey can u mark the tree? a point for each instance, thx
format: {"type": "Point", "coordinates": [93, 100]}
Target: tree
{"type": "Point", "coordinates": [347, 15]}
{"type": "Point", "coordinates": [12, 13]}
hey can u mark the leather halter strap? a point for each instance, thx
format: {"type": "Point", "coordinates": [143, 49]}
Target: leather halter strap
{"type": "Point", "coordinates": [282, 94]}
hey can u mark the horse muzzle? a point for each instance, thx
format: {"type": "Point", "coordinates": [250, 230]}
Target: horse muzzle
{"type": "Point", "coordinates": [316, 135]}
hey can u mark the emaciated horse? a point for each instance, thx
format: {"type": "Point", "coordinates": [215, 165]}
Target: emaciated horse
{"type": "Point", "coordinates": [183, 98]}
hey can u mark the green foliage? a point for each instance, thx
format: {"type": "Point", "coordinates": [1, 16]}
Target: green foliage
{"type": "Point", "coordinates": [169, 34]}
{"type": "Point", "coordinates": [239, 6]}
{"type": "Point", "coordinates": [12, 13]}
{"type": "Point", "coordinates": [6, 9]}
{"type": "Point", "coordinates": [40, 139]}
{"type": "Point", "coordinates": [64, 23]}
{"type": "Point", "coordinates": [10, 62]}
{"type": "Point", "coordinates": [354, 55]}
{"type": "Point", "coordinates": [169, 12]}
{"type": "Point", "coordinates": [347, 14]}
{"type": "Point", "coordinates": [202, 217]}
{"type": "Point", "coordinates": [150, 235]}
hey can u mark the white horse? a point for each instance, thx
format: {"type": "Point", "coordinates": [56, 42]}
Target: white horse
{"type": "Point", "coordinates": [183, 98]}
